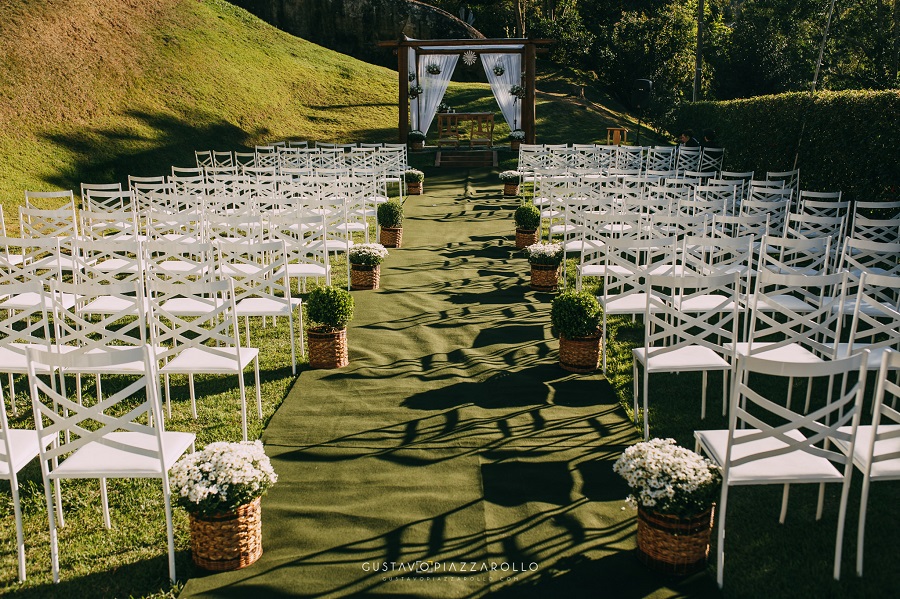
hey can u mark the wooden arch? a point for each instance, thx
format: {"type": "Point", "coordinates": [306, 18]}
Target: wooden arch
{"type": "Point", "coordinates": [528, 48]}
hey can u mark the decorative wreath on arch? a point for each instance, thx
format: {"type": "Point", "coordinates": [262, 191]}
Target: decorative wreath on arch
{"type": "Point", "coordinates": [499, 69]}
{"type": "Point", "coordinates": [469, 57]}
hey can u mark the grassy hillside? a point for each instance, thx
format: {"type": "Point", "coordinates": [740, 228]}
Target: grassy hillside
{"type": "Point", "coordinates": [93, 90]}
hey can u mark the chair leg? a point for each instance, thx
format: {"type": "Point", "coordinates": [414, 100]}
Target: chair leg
{"type": "Point", "coordinates": [790, 391]}
{"type": "Point", "coordinates": [703, 395]}
{"type": "Point", "coordinates": [291, 334]}
{"type": "Point", "coordinates": [720, 537]}
{"type": "Point", "coordinates": [243, 392]}
{"type": "Point", "coordinates": [784, 503]}
{"type": "Point", "coordinates": [54, 545]}
{"type": "Point", "coordinates": [168, 397]}
{"type": "Point", "coordinates": [170, 530]}
{"type": "Point", "coordinates": [104, 498]}
{"type": "Point", "coordinates": [820, 503]}
{"type": "Point", "coordinates": [20, 535]}
{"type": "Point", "coordinates": [842, 519]}
{"type": "Point", "coordinates": [646, 407]}
{"type": "Point", "coordinates": [861, 530]}
{"type": "Point", "coordinates": [634, 389]}
{"type": "Point", "coordinates": [193, 397]}
{"type": "Point", "coordinates": [258, 390]}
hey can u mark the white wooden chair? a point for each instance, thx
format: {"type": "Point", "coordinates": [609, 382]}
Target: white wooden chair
{"type": "Point", "coordinates": [767, 443]}
{"type": "Point", "coordinates": [92, 442]}
{"type": "Point", "coordinates": [205, 340]}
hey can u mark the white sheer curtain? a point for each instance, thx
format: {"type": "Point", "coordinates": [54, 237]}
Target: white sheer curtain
{"type": "Point", "coordinates": [500, 84]}
{"type": "Point", "coordinates": [413, 102]}
{"type": "Point", "coordinates": [434, 86]}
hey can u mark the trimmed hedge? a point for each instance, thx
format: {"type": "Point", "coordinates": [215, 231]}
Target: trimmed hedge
{"type": "Point", "coordinates": [851, 141]}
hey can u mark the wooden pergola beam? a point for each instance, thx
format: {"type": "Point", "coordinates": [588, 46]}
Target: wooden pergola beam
{"type": "Point", "coordinates": [528, 48]}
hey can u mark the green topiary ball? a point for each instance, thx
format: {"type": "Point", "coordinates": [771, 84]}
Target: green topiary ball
{"type": "Point", "coordinates": [575, 314]}
{"type": "Point", "coordinates": [528, 217]}
{"type": "Point", "coordinates": [390, 214]}
{"type": "Point", "coordinates": [330, 307]}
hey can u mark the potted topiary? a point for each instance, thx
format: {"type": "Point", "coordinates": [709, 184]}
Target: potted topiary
{"type": "Point", "coordinates": [674, 490]}
{"type": "Point", "coordinates": [414, 179]}
{"type": "Point", "coordinates": [416, 139]}
{"type": "Point", "coordinates": [220, 487]}
{"type": "Point", "coordinates": [516, 137]}
{"type": "Point", "coordinates": [528, 219]}
{"type": "Point", "coordinates": [390, 218]}
{"type": "Point", "coordinates": [365, 265]}
{"type": "Point", "coordinates": [576, 316]}
{"type": "Point", "coordinates": [329, 310]}
{"type": "Point", "coordinates": [510, 182]}
{"type": "Point", "coordinates": [545, 259]}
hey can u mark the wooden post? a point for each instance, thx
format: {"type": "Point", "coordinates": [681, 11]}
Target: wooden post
{"type": "Point", "coordinates": [528, 115]}
{"type": "Point", "coordinates": [403, 104]}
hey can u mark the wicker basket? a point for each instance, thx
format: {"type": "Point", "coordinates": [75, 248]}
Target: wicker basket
{"type": "Point", "coordinates": [328, 349]}
{"type": "Point", "coordinates": [581, 354]}
{"type": "Point", "coordinates": [511, 189]}
{"type": "Point", "coordinates": [544, 277]}
{"type": "Point", "coordinates": [514, 144]}
{"type": "Point", "coordinates": [364, 277]}
{"type": "Point", "coordinates": [673, 545]}
{"type": "Point", "coordinates": [228, 542]}
{"type": "Point", "coordinates": [391, 237]}
{"type": "Point", "coordinates": [414, 188]}
{"type": "Point", "coordinates": [525, 237]}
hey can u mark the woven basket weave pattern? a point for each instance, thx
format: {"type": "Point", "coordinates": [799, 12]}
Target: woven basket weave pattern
{"type": "Point", "coordinates": [364, 277]}
{"type": "Point", "coordinates": [227, 542]}
{"type": "Point", "coordinates": [672, 545]}
{"type": "Point", "coordinates": [525, 238]}
{"type": "Point", "coordinates": [544, 277]}
{"type": "Point", "coordinates": [511, 189]}
{"type": "Point", "coordinates": [328, 350]}
{"type": "Point", "coordinates": [391, 237]}
{"type": "Point", "coordinates": [579, 355]}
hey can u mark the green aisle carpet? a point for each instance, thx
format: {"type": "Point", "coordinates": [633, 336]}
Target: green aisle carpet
{"type": "Point", "coordinates": [452, 443]}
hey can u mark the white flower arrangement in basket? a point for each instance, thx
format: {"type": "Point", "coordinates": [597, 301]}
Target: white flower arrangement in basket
{"type": "Point", "coordinates": [499, 69]}
{"type": "Point", "coordinates": [433, 68]}
{"type": "Point", "coordinates": [510, 176]}
{"type": "Point", "coordinates": [367, 254]}
{"type": "Point", "coordinates": [518, 91]}
{"type": "Point", "coordinates": [221, 477]}
{"type": "Point", "coordinates": [549, 254]}
{"type": "Point", "coordinates": [668, 479]}
{"type": "Point", "coordinates": [517, 135]}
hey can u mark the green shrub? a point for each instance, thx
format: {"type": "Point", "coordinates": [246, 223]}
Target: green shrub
{"type": "Point", "coordinates": [390, 214]}
{"type": "Point", "coordinates": [850, 142]}
{"type": "Point", "coordinates": [575, 314]}
{"type": "Point", "coordinates": [330, 308]}
{"type": "Point", "coordinates": [528, 217]}
{"type": "Point", "coordinates": [413, 176]}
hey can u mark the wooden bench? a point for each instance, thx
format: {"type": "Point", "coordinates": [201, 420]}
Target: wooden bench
{"type": "Point", "coordinates": [452, 125]}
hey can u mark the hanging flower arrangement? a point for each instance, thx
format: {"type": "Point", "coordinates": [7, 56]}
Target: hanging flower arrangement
{"type": "Point", "coordinates": [518, 91]}
{"type": "Point", "coordinates": [499, 69]}
{"type": "Point", "coordinates": [433, 69]}
{"type": "Point", "coordinates": [415, 91]}
{"type": "Point", "coordinates": [412, 76]}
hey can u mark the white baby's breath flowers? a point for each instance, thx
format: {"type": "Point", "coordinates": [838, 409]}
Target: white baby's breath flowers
{"type": "Point", "coordinates": [368, 254]}
{"type": "Point", "coordinates": [668, 478]}
{"type": "Point", "coordinates": [221, 477]}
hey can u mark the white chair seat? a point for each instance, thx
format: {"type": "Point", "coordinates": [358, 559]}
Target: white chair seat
{"type": "Point", "coordinates": [308, 270]}
{"type": "Point", "coordinates": [704, 303]}
{"type": "Point", "coordinates": [12, 357]}
{"type": "Point", "coordinates": [875, 353]}
{"type": "Point", "coordinates": [778, 302]}
{"type": "Point", "coordinates": [793, 352]}
{"type": "Point", "coordinates": [632, 303]}
{"type": "Point", "coordinates": [692, 358]}
{"type": "Point", "coordinates": [111, 305]}
{"type": "Point", "coordinates": [115, 265]}
{"type": "Point", "coordinates": [135, 367]}
{"type": "Point", "coordinates": [97, 459]}
{"type": "Point", "coordinates": [24, 449]}
{"type": "Point", "coordinates": [23, 301]}
{"type": "Point", "coordinates": [188, 306]}
{"type": "Point", "coordinates": [265, 306]}
{"type": "Point", "coordinates": [239, 270]}
{"type": "Point", "coordinates": [887, 469]}
{"type": "Point", "coordinates": [793, 467]}
{"type": "Point", "coordinates": [220, 360]}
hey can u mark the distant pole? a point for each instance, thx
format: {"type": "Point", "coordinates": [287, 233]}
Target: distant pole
{"type": "Point", "coordinates": [698, 61]}
{"type": "Point", "coordinates": [815, 80]}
